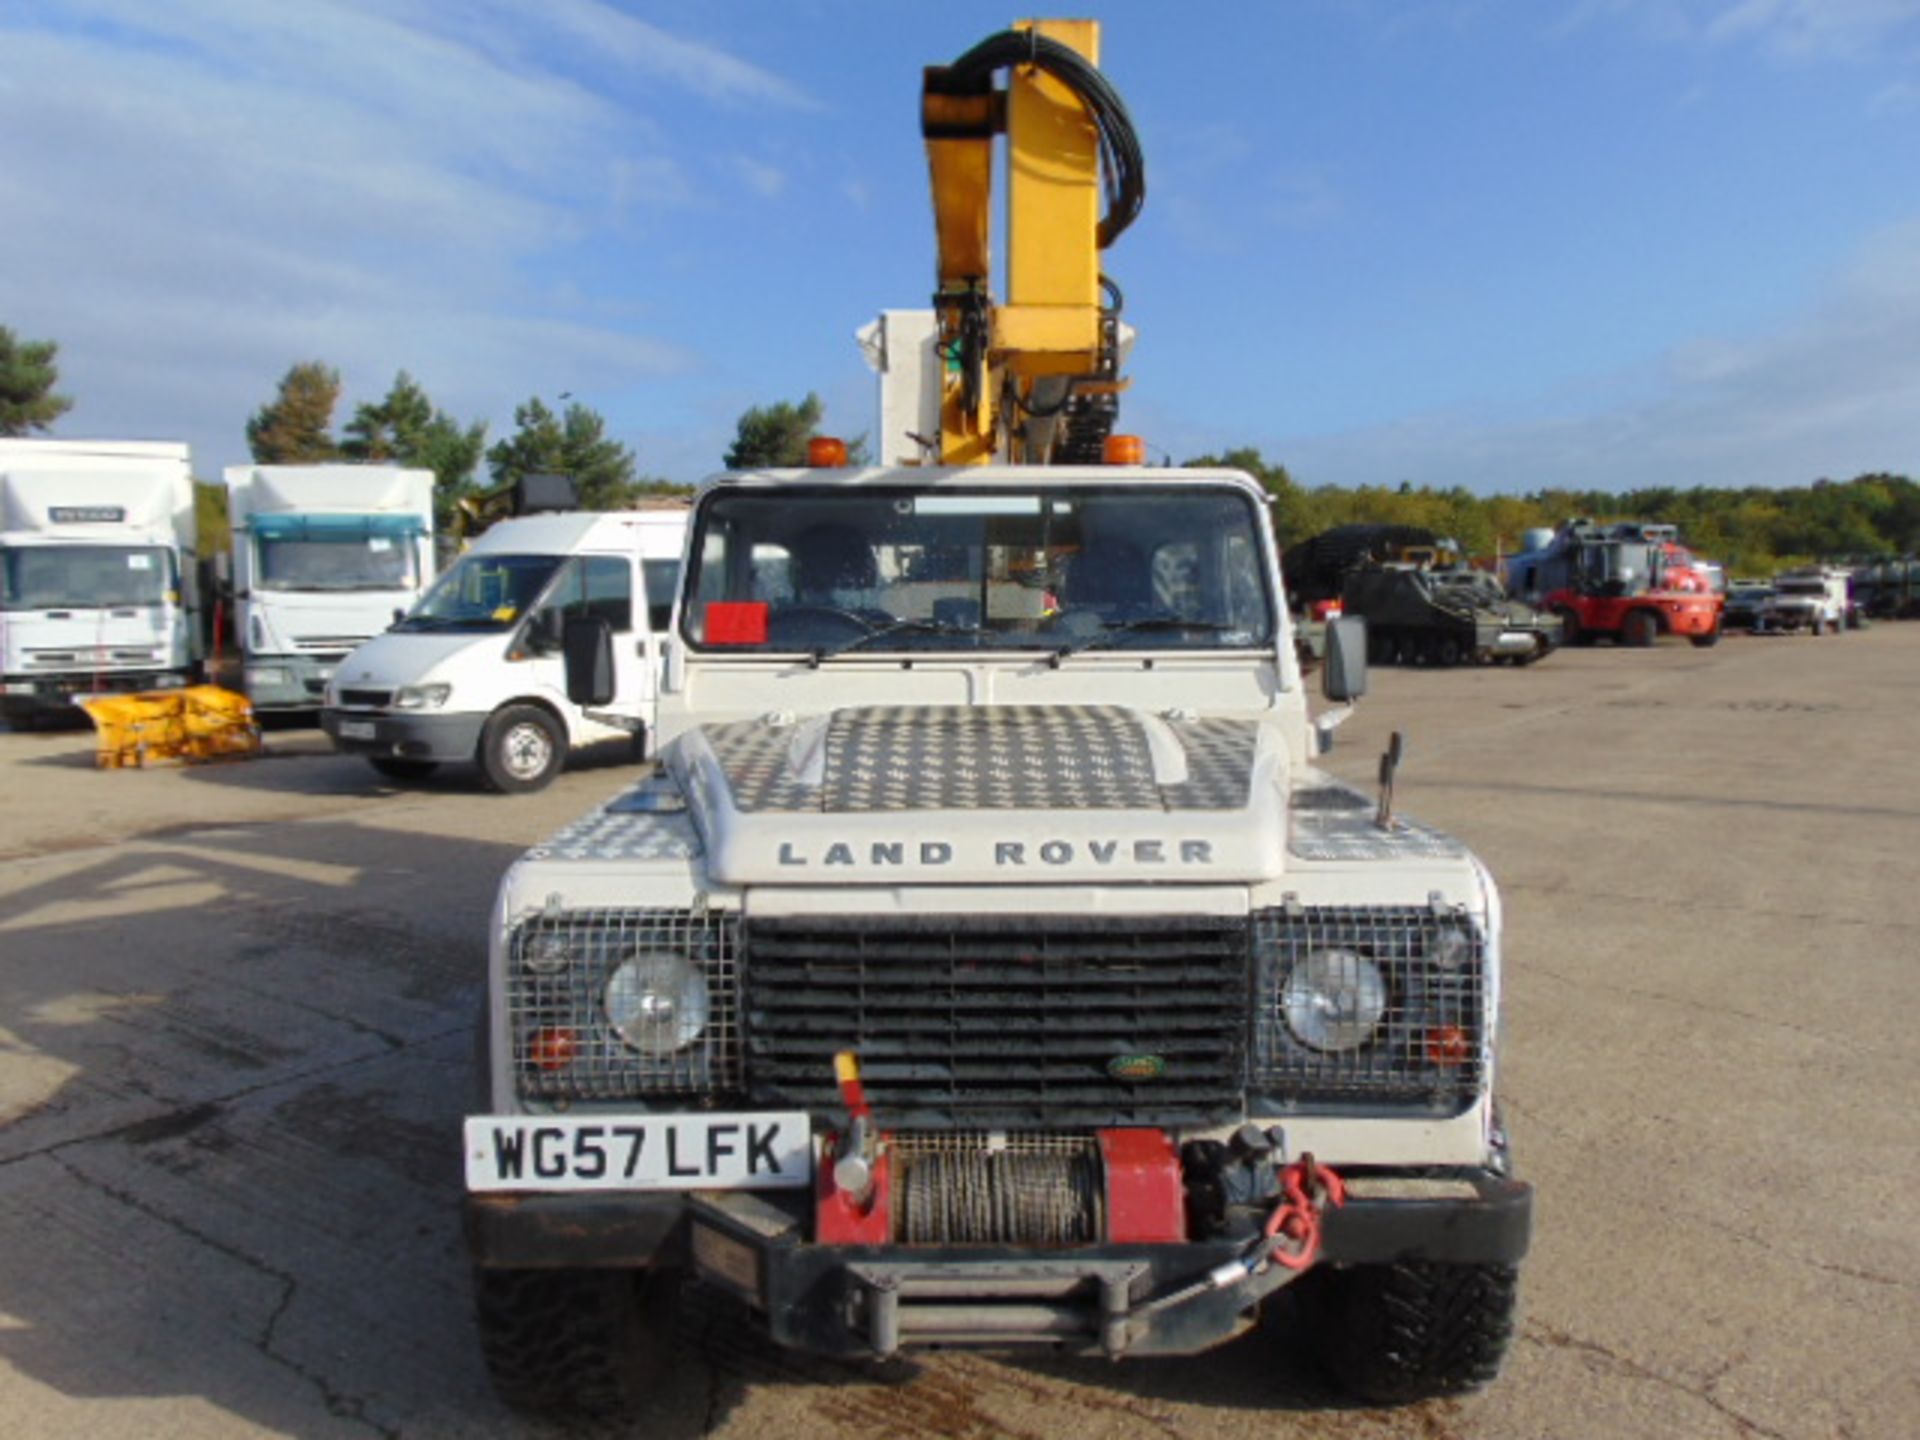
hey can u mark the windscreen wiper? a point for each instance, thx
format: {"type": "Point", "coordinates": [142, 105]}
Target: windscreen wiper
{"type": "Point", "coordinates": [897, 627]}
{"type": "Point", "coordinates": [1114, 629]}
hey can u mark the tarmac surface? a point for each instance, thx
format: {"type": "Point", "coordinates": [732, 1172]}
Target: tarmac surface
{"type": "Point", "coordinates": [236, 1009]}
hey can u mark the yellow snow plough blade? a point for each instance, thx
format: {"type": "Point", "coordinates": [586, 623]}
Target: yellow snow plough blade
{"type": "Point", "coordinates": [201, 722]}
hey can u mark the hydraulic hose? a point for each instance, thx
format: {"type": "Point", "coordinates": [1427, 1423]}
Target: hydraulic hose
{"type": "Point", "coordinates": [1123, 166]}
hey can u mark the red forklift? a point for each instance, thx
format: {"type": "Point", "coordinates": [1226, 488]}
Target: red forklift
{"type": "Point", "coordinates": [1630, 582]}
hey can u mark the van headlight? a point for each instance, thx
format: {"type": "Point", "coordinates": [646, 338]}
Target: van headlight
{"type": "Point", "coordinates": [656, 1002]}
{"type": "Point", "coordinates": [421, 697]}
{"type": "Point", "coordinates": [1333, 999]}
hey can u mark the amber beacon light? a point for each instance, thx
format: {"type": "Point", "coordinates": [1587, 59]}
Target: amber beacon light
{"type": "Point", "coordinates": [824, 452]}
{"type": "Point", "coordinates": [1125, 450]}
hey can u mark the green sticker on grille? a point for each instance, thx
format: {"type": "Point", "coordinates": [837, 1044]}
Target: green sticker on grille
{"type": "Point", "coordinates": [1137, 1067]}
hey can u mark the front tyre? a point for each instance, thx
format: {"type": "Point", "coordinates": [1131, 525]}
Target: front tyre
{"type": "Point", "coordinates": [1418, 1330]}
{"type": "Point", "coordinates": [575, 1342]}
{"type": "Point", "coordinates": [1707, 639]}
{"type": "Point", "coordinates": [521, 749]}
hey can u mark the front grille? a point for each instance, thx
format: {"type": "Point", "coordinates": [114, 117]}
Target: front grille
{"type": "Point", "coordinates": [365, 699]}
{"type": "Point", "coordinates": [1428, 1048]}
{"type": "Point", "coordinates": [341, 643]}
{"type": "Point", "coordinates": [558, 965]}
{"type": "Point", "coordinates": [1029, 1022]}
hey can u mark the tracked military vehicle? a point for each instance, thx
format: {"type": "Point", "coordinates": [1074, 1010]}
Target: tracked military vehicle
{"type": "Point", "coordinates": [1420, 615]}
{"type": "Point", "coordinates": [1421, 605]}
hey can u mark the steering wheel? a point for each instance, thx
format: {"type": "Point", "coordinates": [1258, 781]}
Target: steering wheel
{"type": "Point", "coordinates": [791, 618]}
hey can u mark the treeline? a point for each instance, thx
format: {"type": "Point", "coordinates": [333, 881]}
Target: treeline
{"type": "Point", "coordinates": [1756, 530]}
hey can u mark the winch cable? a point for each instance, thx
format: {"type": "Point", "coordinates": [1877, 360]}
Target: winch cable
{"type": "Point", "coordinates": [1123, 165]}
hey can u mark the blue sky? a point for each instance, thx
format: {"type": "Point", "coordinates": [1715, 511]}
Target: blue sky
{"type": "Point", "coordinates": [1505, 244]}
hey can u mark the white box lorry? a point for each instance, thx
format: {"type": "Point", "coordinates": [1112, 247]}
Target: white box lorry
{"type": "Point", "coordinates": [98, 581]}
{"type": "Point", "coordinates": [989, 963]}
{"type": "Point", "coordinates": [480, 669]}
{"type": "Point", "coordinates": [325, 557]}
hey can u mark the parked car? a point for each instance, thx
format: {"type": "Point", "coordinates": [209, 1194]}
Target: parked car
{"type": "Point", "coordinates": [1748, 604]}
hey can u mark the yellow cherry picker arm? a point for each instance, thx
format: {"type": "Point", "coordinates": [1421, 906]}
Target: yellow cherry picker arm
{"type": "Point", "coordinates": [1034, 379]}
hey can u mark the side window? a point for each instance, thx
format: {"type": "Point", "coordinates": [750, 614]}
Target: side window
{"type": "Point", "coordinates": [662, 579]}
{"type": "Point", "coordinates": [564, 595]}
{"type": "Point", "coordinates": [609, 590]}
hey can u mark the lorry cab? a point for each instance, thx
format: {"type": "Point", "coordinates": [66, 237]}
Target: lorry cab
{"type": "Point", "coordinates": [97, 573]}
{"type": "Point", "coordinates": [543, 638]}
{"type": "Point", "coordinates": [324, 556]}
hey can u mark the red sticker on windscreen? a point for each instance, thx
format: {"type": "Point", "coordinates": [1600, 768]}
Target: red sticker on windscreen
{"type": "Point", "coordinates": [737, 622]}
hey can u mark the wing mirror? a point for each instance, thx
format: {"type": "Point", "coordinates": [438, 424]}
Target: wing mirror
{"type": "Point", "coordinates": [1343, 674]}
{"type": "Point", "coordinates": [587, 643]}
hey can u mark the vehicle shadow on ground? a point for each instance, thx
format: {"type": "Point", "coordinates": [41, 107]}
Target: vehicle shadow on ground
{"type": "Point", "coordinates": [236, 1064]}
{"type": "Point", "coordinates": [724, 1351]}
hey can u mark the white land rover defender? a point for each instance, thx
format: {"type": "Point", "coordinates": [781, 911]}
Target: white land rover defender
{"type": "Point", "coordinates": [987, 963]}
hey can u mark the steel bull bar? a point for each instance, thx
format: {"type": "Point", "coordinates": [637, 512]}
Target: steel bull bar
{"type": "Point", "coordinates": [875, 1300]}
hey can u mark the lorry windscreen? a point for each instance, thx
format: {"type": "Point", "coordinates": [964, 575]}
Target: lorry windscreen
{"type": "Point", "coordinates": [336, 562]}
{"type": "Point", "coordinates": [86, 577]}
{"type": "Point", "coordinates": [483, 592]}
{"type": "Point", "coordinates": [1062, 568]}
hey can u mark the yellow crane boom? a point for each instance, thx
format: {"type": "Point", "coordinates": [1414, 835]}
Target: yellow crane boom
{"type": "Point", "coordinates": [1034, 379]}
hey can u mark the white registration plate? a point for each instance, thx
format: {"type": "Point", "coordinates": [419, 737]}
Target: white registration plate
{"type": "Point", "coordinates": [769, 1151]}
{"type": "Point", "coordinates": [356, 729]}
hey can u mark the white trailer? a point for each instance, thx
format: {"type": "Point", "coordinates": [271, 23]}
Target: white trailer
{"type": "Point", "coordinates": [98, 587]}
{"type": "Point", "coordinates": [325, 557]}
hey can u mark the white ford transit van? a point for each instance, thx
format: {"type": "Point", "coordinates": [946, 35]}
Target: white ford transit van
{"type": "Point", "coordinates": [544, 637]}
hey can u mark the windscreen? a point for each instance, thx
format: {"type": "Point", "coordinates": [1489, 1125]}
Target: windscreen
{"type": "Point", "coordinates": [1061, 568]}
{"type": "Point", "coordinates": [87, 577]}
{"type": "Point", "coordinates": [336, 562]}
{"type": "Point", "coordinates": [483, 592]}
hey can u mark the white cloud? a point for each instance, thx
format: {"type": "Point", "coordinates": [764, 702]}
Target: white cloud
{"type": "Point", "coordinates": [766, 181]}
{"type": "Point", "coordinates": [1816, 29]}
{"type": "Point", "coordinates": [1786, 29]}
{"type": "Point", "coordinates": [1835, 393]}
{"type": "Point", "coordinates": [202, 193]}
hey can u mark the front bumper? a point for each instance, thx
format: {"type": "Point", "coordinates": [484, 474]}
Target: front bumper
{"type": "Point", "coordinates": [22, 695]}
{"type": "Point", "coordinates": [288, 682]}
{"type": "Point", "coordinates": [872, 1300]}
{"type": "Point", "coordinates": [435, 737]}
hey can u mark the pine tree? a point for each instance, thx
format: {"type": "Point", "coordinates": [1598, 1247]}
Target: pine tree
{"type": "Point", "coordinates": [27, 377]}
{"type": "Point", "coordinates": [295, 429]}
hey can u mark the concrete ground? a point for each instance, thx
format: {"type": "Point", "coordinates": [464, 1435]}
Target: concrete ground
{"type": "Point", "coordinates": [235, 1015]}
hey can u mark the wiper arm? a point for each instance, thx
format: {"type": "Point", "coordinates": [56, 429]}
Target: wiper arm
{"type": "Point", "coordinates": [1114, 629]}
{"type": "Point", "coordinates": [897, 627]}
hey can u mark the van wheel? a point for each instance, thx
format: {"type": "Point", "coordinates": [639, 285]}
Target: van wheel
{"type": "Point", "coordinates": [521, 749]}
{"type": "Point", "coordinates": [394, 768]}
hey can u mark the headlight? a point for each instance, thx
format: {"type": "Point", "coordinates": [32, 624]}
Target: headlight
{"type": "Point", "coordinates": [266, 675]}
{"type": "Point", "coordinates": [1334, 999]}
{"type": "Point", "coordinates": [421, 697]}
{"type": "Point", "coordinates": [657, 1002]}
